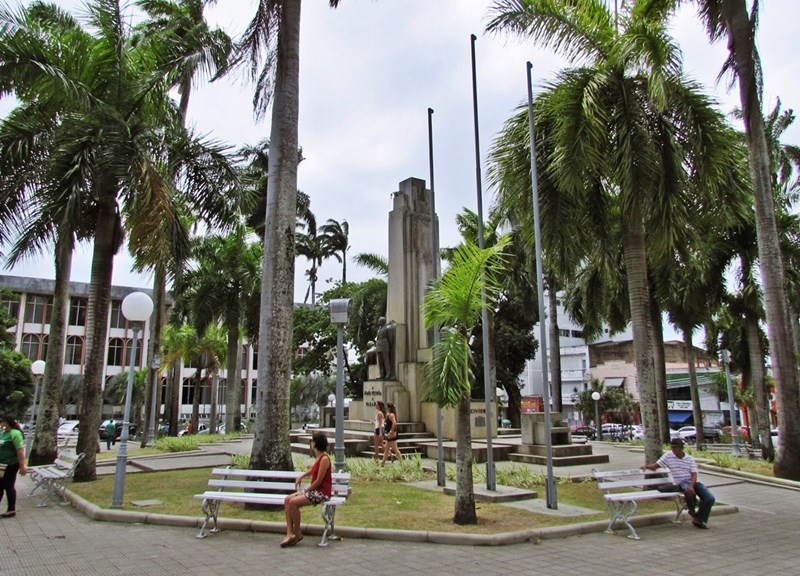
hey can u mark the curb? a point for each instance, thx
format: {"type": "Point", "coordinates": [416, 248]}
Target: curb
{"type": "Point", "coordinates": [502, 539]}
{"type": "Point", "coordinates": [751, 477]}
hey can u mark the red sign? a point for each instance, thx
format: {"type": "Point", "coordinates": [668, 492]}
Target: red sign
{"type": "Point", "coordinates": [531, 404]}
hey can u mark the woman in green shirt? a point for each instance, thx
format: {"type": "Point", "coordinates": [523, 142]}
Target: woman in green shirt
{"type": "Point", "coordinates": [12, 460]}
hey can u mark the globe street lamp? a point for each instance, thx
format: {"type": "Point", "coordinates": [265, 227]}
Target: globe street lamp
{"type": "Point", "coordinates": [596, 398]}
{"type": "Point", "coordinates": [136, 307]}
{"type": "Point", "coordinates": [340, 312]}
{"type": "Point", "coordinates": [37, 368]}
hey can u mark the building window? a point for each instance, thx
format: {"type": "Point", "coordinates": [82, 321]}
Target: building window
{"type": "Point", "coordinates": [74, 351]}
{"type": "Point", "coordinates": [128, 345]}
{"type": "Point", "coordinates": [35, 309]}
{"type": "Point", "coordinates": [115, 347]}
{"type": "Point", "coordinates": [11, 306]}
{"type": "Point", "coordinates": [117, 318]}
{"type": "Point", "coordinates": [563, 332]}
{"type": "Point", "coordinates": [577, 333]}
{"type": "Point", "coordinates": [30, 346]}
{"type": "Point", "coordinates": [77, 312]}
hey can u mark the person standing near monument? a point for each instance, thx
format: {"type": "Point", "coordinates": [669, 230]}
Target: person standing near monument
{"type": "Point", "coordinates": [390, 434]}
{"type": "Point", "coordinates": [380, 416]}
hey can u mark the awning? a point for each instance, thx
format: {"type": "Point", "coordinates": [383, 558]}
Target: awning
{"type": "Point", "coordinates": [679, 416]}
{"type": "Point", "coordinates": [610, 382]}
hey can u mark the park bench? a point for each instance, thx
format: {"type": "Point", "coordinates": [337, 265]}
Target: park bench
{"type": "Point", "coordinates": [265, 487]}
{"type": "Point", "coordinates": [624, 489]}
{"type": "Point", "coordinates": [53, 478]}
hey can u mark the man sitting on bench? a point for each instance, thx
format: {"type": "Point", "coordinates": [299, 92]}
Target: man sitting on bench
{"type": "Point", "coordinates": [684, 472]}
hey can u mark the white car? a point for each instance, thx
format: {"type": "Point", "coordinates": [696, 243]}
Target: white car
{"type": "Point", "coordinates": [686, 433]}
{"type": "Point", "coordinates": [638, 432]}
{"type": "Point", "coordinates": [68, 431]}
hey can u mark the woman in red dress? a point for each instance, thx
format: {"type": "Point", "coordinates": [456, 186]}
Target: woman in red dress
{"type": "Point", "coordinates": [318, 491]}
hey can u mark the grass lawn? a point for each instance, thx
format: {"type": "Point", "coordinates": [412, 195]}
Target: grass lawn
{"type": "Point", "coordinates": [380, 499]}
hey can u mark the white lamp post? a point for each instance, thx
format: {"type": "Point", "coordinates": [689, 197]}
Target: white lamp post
{"type": "Point", "coordinates": [596, 398]}
{"type": "Point", "coordinates": [154, 408]}
{"type": "Point", "coordinates": [340, 311]}
{"type": "Point", "coordinates": [136, 307]}
{"type": "Point", "coordinates": [37, 368]}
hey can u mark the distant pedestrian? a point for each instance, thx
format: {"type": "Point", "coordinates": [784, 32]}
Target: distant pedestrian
{"type": "Point", "coordinates": [380, 415]}
{"type": "Point", "coordinates": [390, 434]}
{"type": "Point", "coordinates": [12, 461]}
{"type": "Point", "coordinates": [111, 433]}
{"type": "Point", "coordinates": [684, 472]}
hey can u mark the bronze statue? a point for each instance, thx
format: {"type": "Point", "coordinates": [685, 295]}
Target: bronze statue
{"type": "Point", "coordinates": [384, 349]}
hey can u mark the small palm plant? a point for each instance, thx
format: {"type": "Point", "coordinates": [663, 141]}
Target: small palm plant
{"type": "Point", "coordinates": [454, 306]}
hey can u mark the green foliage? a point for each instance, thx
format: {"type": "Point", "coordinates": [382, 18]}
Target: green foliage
{"type": "Point", "coordinates": [190, 442]}
{"type": "Point", "coordinates": [16, 383]}
{"type": "Point", "coordinates": [6, 322]}
{"type": "Point", "coordinates": [312, 327]}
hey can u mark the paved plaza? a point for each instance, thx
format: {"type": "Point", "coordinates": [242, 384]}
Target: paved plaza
{"type": "Point", "coordinates": [760, 539]}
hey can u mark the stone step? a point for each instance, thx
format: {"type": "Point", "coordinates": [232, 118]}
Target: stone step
{"type": "Point", "coordinates": [559, 461]}
{"type": "Point", "coordinates": [560, 450]}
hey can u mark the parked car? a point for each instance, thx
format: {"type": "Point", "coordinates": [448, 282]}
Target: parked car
{"type": "Point", "coordinates": [744, 432]}
{"type": "Point", "coordinates": [776, 438]}
{"type": "Point", "coordinates": [117, 430]}
{"type": "Point", "coordinates": [67, 430]}
{"type": "Point", "coordinates": [638, 432]}
{"type": "Point", "coordinates": [713, 433]}
{"type": "Point", "coordinates": [201, 429]}
{"type": "Point", "coordinates": [585, 430]}
{"type": "Point", "coordinates": [686, 433]}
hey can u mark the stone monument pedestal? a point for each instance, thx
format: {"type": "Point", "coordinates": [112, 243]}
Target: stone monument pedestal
{"type": "Point", "coordinates": [534, 447]}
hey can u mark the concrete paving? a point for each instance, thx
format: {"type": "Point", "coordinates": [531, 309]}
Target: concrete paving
{"type": "Point", "coordinates": [60, 540]}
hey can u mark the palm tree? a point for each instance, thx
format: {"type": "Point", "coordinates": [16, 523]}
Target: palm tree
{"type": "Point", "coordinates": [275, 33]}
{"type": "Point", "coordinates": [311, 245]}
{"type": "Point", "coordinates": [732, 21]}
{"type": "Point", "coordinates": [336, 241]}
{"type": "Point", "coordinates": [454, 305]}
{"type": "Point", "coordinates": [113, 113]}
{"type": "Point", "coordinates": [189, 48]}
{"type": "Point", "coordinates": [626, 129]}
{"type": "Point", "coordinates": [225, 277]}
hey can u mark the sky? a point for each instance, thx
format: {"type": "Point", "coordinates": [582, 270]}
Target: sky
{"type": "Point", "coordinates": [370, 70]}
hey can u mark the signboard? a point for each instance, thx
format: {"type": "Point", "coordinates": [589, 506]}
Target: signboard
{"type": "Point", "coordinates": [679, 404]}
{"type": "Point", "coordinates": [531, 404]}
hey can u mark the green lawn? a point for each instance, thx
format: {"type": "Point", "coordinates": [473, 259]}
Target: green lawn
{"type": "Point", "coordinates": [380, 499]}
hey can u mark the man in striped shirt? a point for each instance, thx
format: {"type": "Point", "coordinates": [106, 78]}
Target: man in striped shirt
{"type": "Point", "coordinates": [684, 472]}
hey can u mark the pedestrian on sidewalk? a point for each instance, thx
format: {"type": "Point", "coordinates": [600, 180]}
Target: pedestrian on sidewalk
{"type": "Point", "coordinates": [380, 416]}
{"type": "Point", "coordinates": [12, 461]}
{"type": "Point", "coordinates": [111, 433]}
{"type": "Point", "coordinates": [390, 434]}
{"type": "Point", "coordinates": [684, 472]}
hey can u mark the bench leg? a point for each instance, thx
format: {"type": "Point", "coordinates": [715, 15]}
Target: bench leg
{"type": "Point", "coordinates": [680, 506]}
{"type": "Point", "coordinates": [211, 510]}
{"type": "Point", "coordinates": [622, 511]}
{"type": "Point", "coordinates": [329, 518]}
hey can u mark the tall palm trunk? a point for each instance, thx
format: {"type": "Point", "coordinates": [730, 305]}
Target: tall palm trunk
{"type": "Point", "coordinates": [234, 378]}
{"type": "Point", "coordinates": [271, 448]}
{"type": "Point", "coordinates": [153, 349]}
{"type": "Point", "coordinates": [212, 413]}
{"type": "Point", "coordinates": [633, 241]}
{"type": "Point", "coordinates": [44, 448]}
{"type": "Point", "coordinates": [660, 370]}
{"type": "Point", "coordinates": [741, 44]}
{"type": "Point", "coordinates": [697, 413]}
{"type": "Point", "coordinates": [107, 240]}
{"type": "Point", "coordinates": [465, 494]}
{"type": "Point", "coordinates": [555, 347]}
{"type": "Point", "coordinates": [758, 380]}
{"type": "Point", "coordinates": [174, 401]}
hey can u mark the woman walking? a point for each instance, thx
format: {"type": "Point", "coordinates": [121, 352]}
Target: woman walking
{"type": "Point", "coordinates": [380, 416]}
{"type": "Point", "coordinates": [12, 460]}
{"type": "Point", "coordinates": [390, 433]}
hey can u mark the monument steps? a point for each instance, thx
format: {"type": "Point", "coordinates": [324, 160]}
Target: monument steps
{"type": "Point", "coordinates": [559, 460]}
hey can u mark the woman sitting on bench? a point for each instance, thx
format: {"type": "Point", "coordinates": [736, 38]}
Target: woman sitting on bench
{"type": "Point", "coordinates": [317, 492]}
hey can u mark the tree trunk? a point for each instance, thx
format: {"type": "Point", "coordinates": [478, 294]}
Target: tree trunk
{"type": "Point", "coordinates": [660, 370]}
{"type": "Point", "coordinates": [175, 389]}
{"type": "Point", "coordinates": [697, 413]}
{"type": "Point", "coordinates": [271, 449]}
{"type": "Point", "coordinates": [638, 293]}
{"type": "Point", "coordinates": [212, 413]}
{"type": "Point", "coordinates": [107, 240]}
{"type": "Point", "coordinates": [153, 350]}
{"type": "Point", "coordinates": [741, 43]}
{"type": "Point", "coordinates": [44, 449]}
{"type": "Point", "coordinates": [465, 494]}
{"type": "Point", "coordinates": [234, 378]}
{"type": "Point", "coordinates": [197, 392]}
{"type": "Point", "coordinates": [758, 380]}
{"type": "Point", "coordinates": [554, 348]}
{"type": "Point", "coordinates": [514, 406]}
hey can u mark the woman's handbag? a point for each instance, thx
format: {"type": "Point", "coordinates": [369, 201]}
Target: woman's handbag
{"type": "Point", "coordinates": [392, 435]}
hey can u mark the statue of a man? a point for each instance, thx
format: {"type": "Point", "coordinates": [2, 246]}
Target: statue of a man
{"type": "Point", "coordinates": [384, 347]}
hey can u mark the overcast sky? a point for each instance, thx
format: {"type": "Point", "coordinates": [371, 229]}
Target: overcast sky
{"type": "Point", "coordinates": [370, 70]}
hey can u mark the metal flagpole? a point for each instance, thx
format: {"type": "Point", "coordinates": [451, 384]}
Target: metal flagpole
{"type": "Point", "coordinates": [552, 498]}
{"type": "Point", "coordinates": [440, 473]}
{"type": "Point", "coordinates": [487, 385]}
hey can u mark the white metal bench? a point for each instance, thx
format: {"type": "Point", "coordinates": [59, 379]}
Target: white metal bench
{"type": "Point", "coordinates": [53, 478]}
{"type": "Point", "coordinates": [265, 487]}
{"type": "Point", "coordinates": [624, 489]}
